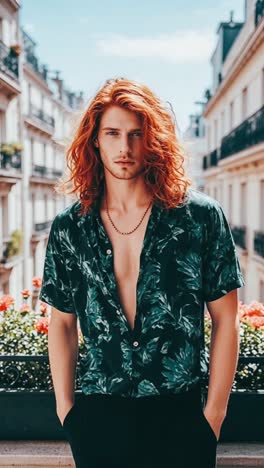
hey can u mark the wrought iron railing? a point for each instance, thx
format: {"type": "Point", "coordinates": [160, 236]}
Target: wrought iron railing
{"type": "Point", "coordinates": [8, 61]}
{"type": "Point", "coordinates": [34, 63]}
{"type": "Point", "coordinates": [10, 161]}
{"type": "Point", "coordinates": [239, 234]}
{"type": "Point", "coordinates": [247, 134]}
{"type": "Point", "coordinates": [41, 115]}
{"type": "Point", "coordinates": [259, 12]}
{"type": "Point", "coordinates": [44, 171]}
{"type": "Point", "coordinates": [39, 227]}
{"type": "Point", "coordinates": [211, 159]}
{"type": "Point", "coordinates": [259, 243]}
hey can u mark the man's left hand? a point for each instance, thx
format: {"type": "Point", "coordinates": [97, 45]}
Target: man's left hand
{"type": "Point", "coordinates": [215, 420]}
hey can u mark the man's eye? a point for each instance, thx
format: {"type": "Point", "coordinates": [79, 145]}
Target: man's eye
{"type": "Point", "coordinates": [137, 134]}
{"type": "Point", "coordinates": [112, 132]}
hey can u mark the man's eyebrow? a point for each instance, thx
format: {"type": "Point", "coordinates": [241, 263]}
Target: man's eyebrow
{"type": "Point", "coordinates": [132, 130]}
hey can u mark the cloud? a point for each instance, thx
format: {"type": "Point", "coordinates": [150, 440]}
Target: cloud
{"type": "Point", "coordinates": [187, 46]}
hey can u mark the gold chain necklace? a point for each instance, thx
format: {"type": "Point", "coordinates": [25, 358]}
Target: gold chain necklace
{"type": "Point", "coordinates": [120, 232]}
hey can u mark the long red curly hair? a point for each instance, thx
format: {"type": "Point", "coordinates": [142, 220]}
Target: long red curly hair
{"type": "Point", "coordinates": [164, 155]}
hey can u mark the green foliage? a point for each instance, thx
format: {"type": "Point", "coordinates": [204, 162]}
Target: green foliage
{"type": "Point", "coordinates": [19, 336]}
{"type": "Point", "coordinates": [11, 148]}
{"type": "Point", "coordinates": [14, 246]}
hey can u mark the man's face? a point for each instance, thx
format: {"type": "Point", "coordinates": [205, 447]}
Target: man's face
{"type": "Point", "coordinates": [120, 141]}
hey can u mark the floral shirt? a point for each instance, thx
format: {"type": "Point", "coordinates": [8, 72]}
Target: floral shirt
{"type": "Point", "coordinates": [188, 258]}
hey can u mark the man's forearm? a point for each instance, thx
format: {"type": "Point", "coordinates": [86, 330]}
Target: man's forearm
{"type": "Point", "coordinates": [224, 351]}
{"type": "Point", "coordinates": [63, 355]}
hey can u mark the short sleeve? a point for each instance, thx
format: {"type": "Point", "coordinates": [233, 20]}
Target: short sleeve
{"type": "Point", "coordinates": [221, 268]}
{"type": "Point", "coordinates": [55, 289]}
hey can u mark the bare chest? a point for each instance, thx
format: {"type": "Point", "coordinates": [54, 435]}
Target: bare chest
{"type": "Point", "coordinates": [126, 261]}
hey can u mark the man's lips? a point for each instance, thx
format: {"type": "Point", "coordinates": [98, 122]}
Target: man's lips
{"type": "Point", "coordinates": [124, 162]}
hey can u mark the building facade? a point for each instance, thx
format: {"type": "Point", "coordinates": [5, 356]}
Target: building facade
{"type": "Point", "coordinates": [11, 171]}
{"type": "Point", "coordinates": [234, 160]}
{"type": "Point", "coordinates": [38, 117]}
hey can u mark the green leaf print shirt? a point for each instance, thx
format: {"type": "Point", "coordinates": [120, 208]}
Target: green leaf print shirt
{"type": "Point", "coordinates": [188, 258]}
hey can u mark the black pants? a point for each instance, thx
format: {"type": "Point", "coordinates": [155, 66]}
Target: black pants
{"type": "Point", "coordinates": [161, 431]}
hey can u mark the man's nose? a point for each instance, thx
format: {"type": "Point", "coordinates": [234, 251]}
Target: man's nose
{"type": "Point", "coordinates": [125, 146]}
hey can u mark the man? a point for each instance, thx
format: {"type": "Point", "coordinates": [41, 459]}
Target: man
{"type": "Point", "coordinates": [135, 259]}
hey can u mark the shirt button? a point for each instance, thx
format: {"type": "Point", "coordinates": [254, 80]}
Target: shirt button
{"type": "Point", "coordinates": [109, 251]}
{"type": "Point", "coordinates": [135, 343]}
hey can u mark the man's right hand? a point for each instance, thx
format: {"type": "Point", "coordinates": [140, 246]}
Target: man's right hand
{"type": "Point", "coordinates": [62, 410]}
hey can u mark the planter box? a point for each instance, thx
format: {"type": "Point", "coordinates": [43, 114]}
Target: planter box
{"type": "Point", "coordinates": [31, 415]}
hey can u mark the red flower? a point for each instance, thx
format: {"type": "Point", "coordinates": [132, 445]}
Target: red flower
{"type": "Point", "coordinates": [43, 307]}
{"type": "Point", "coordinates": [37, 281]}
{"type": "Point", "coordinates": [26, 293]}
{"type": "Point", "coordinates": [5, 302]}
{"type": "Point", "coordinates": [257, 322]}
{"type": "Point", "coordinates": [252, 313]}
{"type": "Point", "coordinates": [42, 325]}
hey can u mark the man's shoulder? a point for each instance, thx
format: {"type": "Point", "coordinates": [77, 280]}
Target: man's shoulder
{"type": "Point", "coordinates": [202, 200]}
{"type": "Point", "coordinates": [69, 216]}
{"type": "Point", "coordinates": [198, 208]}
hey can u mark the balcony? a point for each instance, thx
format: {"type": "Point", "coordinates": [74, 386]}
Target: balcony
{"type": "Point", "coordinates": [39, 114]}
{"type": "Point", "coordinates": [38, 119]}
{"type": "Point", "coordinates": [9, 71]}
{"type": "Point", "coordinates": [32, 60]}
{"type": "Point", "coordinates": [211, 159]}
{"type": "Point", "coordinates": [8, 61]}
{"type": "Point", "coordinates": [10, 164]}
{"type": "Point", "coordinates": [247, 134]}
{"type": "Point", "coordinates": [259, 12]}
{"type": "Point", "coordinates": [259, 243]}
{"type": "Point", "coordinates": [11, 250]}
{"type": "Point", "coordinates": [44, 174]}
{"type": "Point", "coordinates": [40, 232]}
{"type": "Point", "coordinates": [239, 236]}
{"type": "Point", "coordinates": [40, 227]}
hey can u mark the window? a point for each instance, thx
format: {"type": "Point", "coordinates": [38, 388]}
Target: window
{"type": "Point", "coordinates": [215, 133]}
{"type": "Point", "coordinates": [222, 123]}
{"type": "Point", "coordinates": [244, 103]}
{"type": "Point", "coordinates": [231, 114]}
{"type": "Point", "coordinates": [208, 138]}
{"type": "Point", "coordinates": [230, 201]}
{"type": "Point", "coordinates": [2, 127]}
{"type": "Point", "coordinates": [261, 215]}
{"type": "Point", "coordinates": [243, 206]}
{"type": "Point", "coordinates": [32, 150]}
{"type": "Point", "coordinates": [261, 291]}
{"type": "Point", "coordinates": [1, 29]}
{"type": "Point", "coordinates": [262, 87]}
{"type": "Point", "coordinates": [215, 193]}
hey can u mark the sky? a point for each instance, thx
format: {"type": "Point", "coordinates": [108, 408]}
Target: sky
{"type": "Point", "coordinates": [165, 44]}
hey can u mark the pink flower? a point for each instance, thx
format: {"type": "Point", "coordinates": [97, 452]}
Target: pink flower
{"type": "Point", "coordinates": [5, 302]}
{"type": "Point", "coordinates": [26, 293]}
{"type": "Point", "coordinates": [43, 307]}
{"type": "Point", "coordinates": [42, 325]}
{"type": "Point", "coordinates": [252, 313]}
{"type": "Point", "coordinates": [37, 281]}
